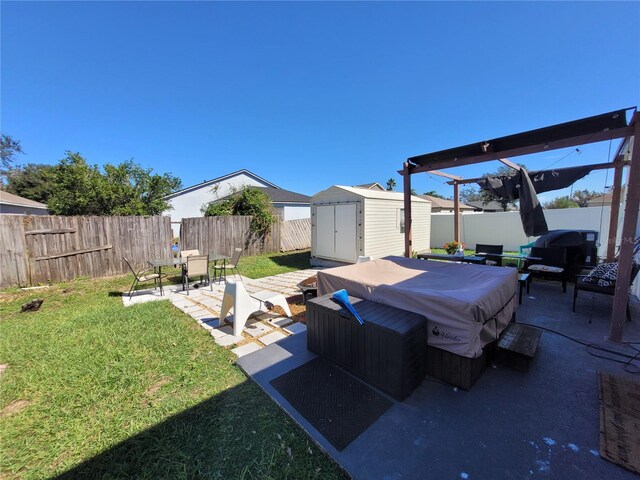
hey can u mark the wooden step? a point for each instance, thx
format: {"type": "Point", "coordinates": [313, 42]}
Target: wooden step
{"type": "Point", "coordinates": [517, 346]}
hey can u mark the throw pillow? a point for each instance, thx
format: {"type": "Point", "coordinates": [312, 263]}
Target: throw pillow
{"type": "Point", "coordinates": [604, 274]}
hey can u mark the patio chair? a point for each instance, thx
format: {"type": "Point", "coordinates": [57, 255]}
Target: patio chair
{"type": "Point", "coordinates": [142, 276]}
{"type": "Point", "coordinates": [244, 304]}
{"type": "Point", "coordinates": [221, 270]}
{"type": "Point", "coordinates": [196, 266]}
{"type": "Point", "coordinates": [552, 264]}
{"type": "Point", "coordinates": [602, 279]}
{"type": "Point", "coordinates": [491, 259]}
{"type": "Point", "coordinates": [187, 253]}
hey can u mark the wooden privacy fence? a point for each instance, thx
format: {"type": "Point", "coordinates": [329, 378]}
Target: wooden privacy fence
{"type": "Point", "coordinates": [223, 234]}
{"type": "Point", "coordinates": [41, 249]}
{"type": "Point", "coordinates": [295, 235]}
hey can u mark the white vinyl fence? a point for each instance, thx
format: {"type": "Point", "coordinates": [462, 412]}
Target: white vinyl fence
{"type": "Point", "coordinates": [505, 228]}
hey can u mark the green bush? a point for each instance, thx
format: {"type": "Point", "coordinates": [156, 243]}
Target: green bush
{"type": "Point", "coordinates": [249, 201]}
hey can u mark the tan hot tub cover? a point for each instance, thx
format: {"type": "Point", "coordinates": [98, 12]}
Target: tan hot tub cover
{"type": "Point", "coordinates": [466, 306]}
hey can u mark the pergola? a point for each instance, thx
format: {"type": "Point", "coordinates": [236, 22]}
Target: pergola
{"type": "Point", "coordinates": [604, 127]}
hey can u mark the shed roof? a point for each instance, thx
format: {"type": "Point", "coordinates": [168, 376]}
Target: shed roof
{"type": "Point", "coordinates": [7, 198]}
{"type": "Point", "coordinates": [378, 194]}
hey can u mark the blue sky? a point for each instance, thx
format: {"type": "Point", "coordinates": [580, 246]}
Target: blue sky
{"type": "Point", "coordinates": [308, 95]}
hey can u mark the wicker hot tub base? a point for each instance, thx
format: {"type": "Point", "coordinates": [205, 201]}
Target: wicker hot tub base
{"type": "Point", "coordinates": [388, 351]}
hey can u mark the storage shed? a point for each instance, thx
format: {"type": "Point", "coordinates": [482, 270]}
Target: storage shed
{"type": "Point", "coordinates": [347, 222]}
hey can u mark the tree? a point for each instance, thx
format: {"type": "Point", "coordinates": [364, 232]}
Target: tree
{"type": "Point", "coordinates": [470, 194]}
{"type": "Point", "coordinates": [248, 201]}
{"type": "Point", "coordinates": [433, 193]}
{"type": "Point", "coordinates": [125, 189]}
{"type": "Point", "coordinates": [33, 181]}
{"type": "Point", "coordinates": [9, 148]}
{"type": "Point", "coordinates": [561, 202]}
{"type": "Point", "coordinates": [391, 184]}
{"type": "Point", "coordinates": [582, 197]}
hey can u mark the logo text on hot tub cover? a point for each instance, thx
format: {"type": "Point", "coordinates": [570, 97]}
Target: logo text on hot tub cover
{"type": "Point", "coordinates": [446, 335]}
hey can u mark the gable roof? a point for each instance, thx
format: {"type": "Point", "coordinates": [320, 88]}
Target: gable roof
{"type": "Point", "coordinates": [372, 186]}
{"type": "Point", "coordinates": [280, 195]}
{"type": "Point", "coordinates": [208, 183]}
{"type": "Point", "coordinates": [600, 200]}
{"type": "Point", "coordinates": [443, 203]}
{"type": "Point", "coordinates": [7, 198]}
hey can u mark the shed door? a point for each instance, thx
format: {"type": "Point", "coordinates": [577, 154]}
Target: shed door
{"type": "Point", "coordinates": [346, 232]}
{"type": "Point", "coordinates": [325, 231]}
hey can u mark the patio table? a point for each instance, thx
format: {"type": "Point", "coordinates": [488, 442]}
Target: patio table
{"type": "Point", "coordinates": [454, 258]}
{"type": "Point", "coordinates": [217, 257]}
{"type": "Point", "coordinates": [158, 263]}
{"type": "Point", "coordinates": [517, 256]}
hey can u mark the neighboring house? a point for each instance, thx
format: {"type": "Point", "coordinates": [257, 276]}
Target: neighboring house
{"type": "Point", "coordinates": [188, 202]}
{"type": "Point", "coordinates": [371, 186]}
{"type": "Point", "coordinates": [491, 206]}
{"type": "Point", "coordinates": [442, 205]}
{"type": "Point", "coordinates": [288, 205]}
{"type": "Point", "coordinates": [600, 201]}
{"type": "Point", "coordinates": [13, 204]}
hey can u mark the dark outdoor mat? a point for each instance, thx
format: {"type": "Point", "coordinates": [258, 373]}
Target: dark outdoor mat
{"type": "Point", "coordinates": [620, 420]}
{"type": "Point", "coordinates": [338, 405]}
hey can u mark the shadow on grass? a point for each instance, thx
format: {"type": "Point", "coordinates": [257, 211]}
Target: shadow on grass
{"type": "Point", "coordinates": [297, 260]}
{"type": "Point", "coordinates": [237, 433]}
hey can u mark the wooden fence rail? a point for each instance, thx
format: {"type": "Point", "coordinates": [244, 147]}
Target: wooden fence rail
{"type": "Point", "coordinates": [42, 249]}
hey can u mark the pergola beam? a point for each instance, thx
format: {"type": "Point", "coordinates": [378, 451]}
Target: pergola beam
{"type": "Point", "coordinates": [530, 149]}
{"type": "Point", "coordinates": [509, 163]}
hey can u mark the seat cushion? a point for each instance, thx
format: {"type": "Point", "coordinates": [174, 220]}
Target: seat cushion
{"type": "Point", "coordinates": [604, 275]}
{"type": "Point", "coordinates": [545, 268]}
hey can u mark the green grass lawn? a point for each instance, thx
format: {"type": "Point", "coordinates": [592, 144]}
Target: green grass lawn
{"type": "Point", "coordinates": [274, 263]}
{"type": "Point", "coordinates": [94, 390]}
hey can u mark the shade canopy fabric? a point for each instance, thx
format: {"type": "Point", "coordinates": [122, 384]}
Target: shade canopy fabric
{"type": "Point", "coordinates": [525, 186]}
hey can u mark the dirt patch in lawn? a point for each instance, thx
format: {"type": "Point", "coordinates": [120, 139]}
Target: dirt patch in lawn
{"type": "Point", "coordinates": [14, 407]}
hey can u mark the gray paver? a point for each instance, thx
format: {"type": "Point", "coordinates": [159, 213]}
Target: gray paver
{"type": "Point", "coordinates": [257, 329]}
{"type": "Point", "coordinates": [296, 328]}
{"type": "Point", "coordinates": [280, 321]}
{"type": "Point", "coordinates": [228, 340]}
{"type": "Point", "coordinates": [272, 337]}
{"type": "Point", "coordinates": [216, 333]}
{"type": "Point", "coordinates": [246, 349]}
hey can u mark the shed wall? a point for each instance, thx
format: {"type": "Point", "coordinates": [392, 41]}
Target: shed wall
{"type": "Point", "coordinates": [382, 232]}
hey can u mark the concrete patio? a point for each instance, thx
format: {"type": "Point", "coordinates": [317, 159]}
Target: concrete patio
{"type": "Point", "coordinates": [510, 425]}
{"type": "Point", "coordinates": [203, 305]}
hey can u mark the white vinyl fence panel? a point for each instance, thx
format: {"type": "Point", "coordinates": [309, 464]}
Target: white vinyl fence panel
{"type": "Point", "coordinates": [505, 228]}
